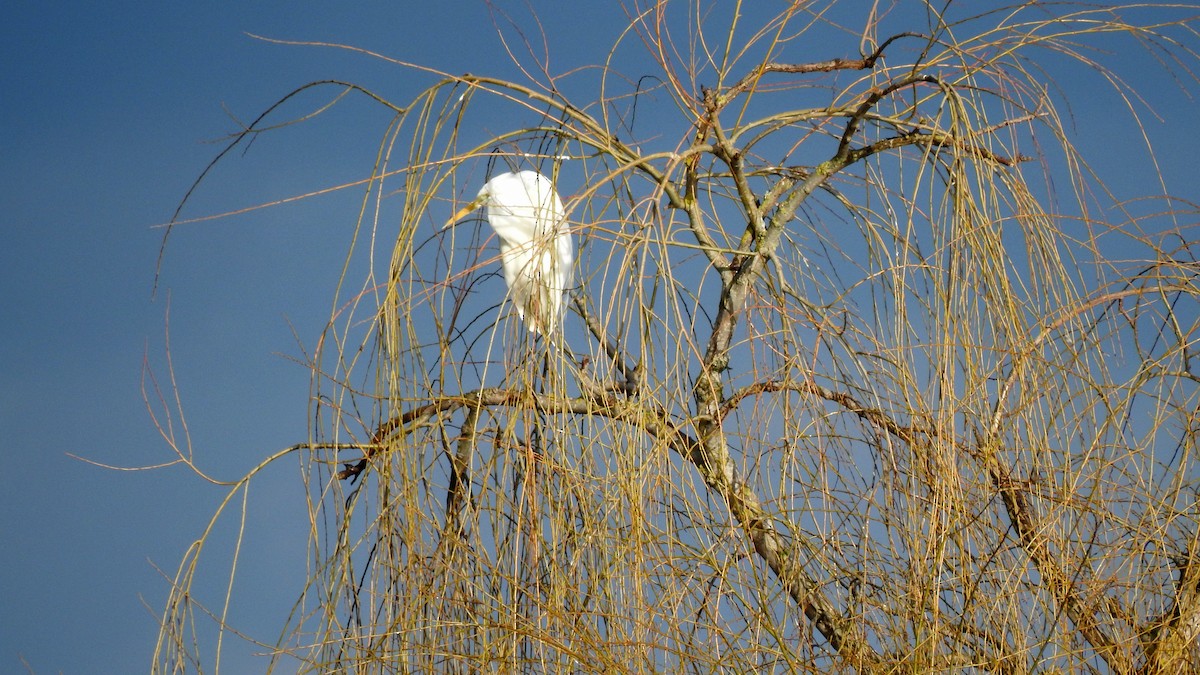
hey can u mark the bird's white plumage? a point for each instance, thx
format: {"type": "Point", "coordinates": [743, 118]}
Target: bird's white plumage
{"type": "Point", "coordinates": [537, 251]}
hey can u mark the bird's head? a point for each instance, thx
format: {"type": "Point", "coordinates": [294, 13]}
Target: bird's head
{"type": "Point", "coordinates": [526, 195]}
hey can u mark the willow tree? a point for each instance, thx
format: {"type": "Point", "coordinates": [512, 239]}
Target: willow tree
{"type": "Point", "coordinates": [865, 370]}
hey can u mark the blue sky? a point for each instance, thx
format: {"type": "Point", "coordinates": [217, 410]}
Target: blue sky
{"type": "Point", "coordinates": [107, 115]}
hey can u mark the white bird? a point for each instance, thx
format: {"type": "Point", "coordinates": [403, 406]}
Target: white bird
{"type": "Point", "coordinates": [536, 247]}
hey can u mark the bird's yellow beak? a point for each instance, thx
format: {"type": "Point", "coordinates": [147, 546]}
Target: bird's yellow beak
{"type": "Point", "coordinates": [463, 213]}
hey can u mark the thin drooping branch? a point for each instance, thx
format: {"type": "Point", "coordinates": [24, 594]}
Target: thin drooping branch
{"type": "Point", "coordinates": [1084, 613]}
{"type": "Point", "coordinates": [740, 498]}
{"type": "Point", "coordinates": [252, 130]}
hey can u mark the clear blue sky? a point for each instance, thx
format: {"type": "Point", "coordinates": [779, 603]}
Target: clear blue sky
{"type": "Point", "coordinates": [107, 111]}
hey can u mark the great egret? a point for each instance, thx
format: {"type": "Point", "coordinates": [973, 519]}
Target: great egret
{"type": "Point", "coordinates": [536, 248]}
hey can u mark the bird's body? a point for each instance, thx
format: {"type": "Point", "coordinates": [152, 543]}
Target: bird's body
{"type": "Point", "coordinates": [537, 251]}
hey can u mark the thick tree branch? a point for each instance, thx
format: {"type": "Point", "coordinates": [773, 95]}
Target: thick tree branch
{"type": "Point", "coordinates": [864, 63]}
{"type": "Point", "coordinates": [1170, 644]}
